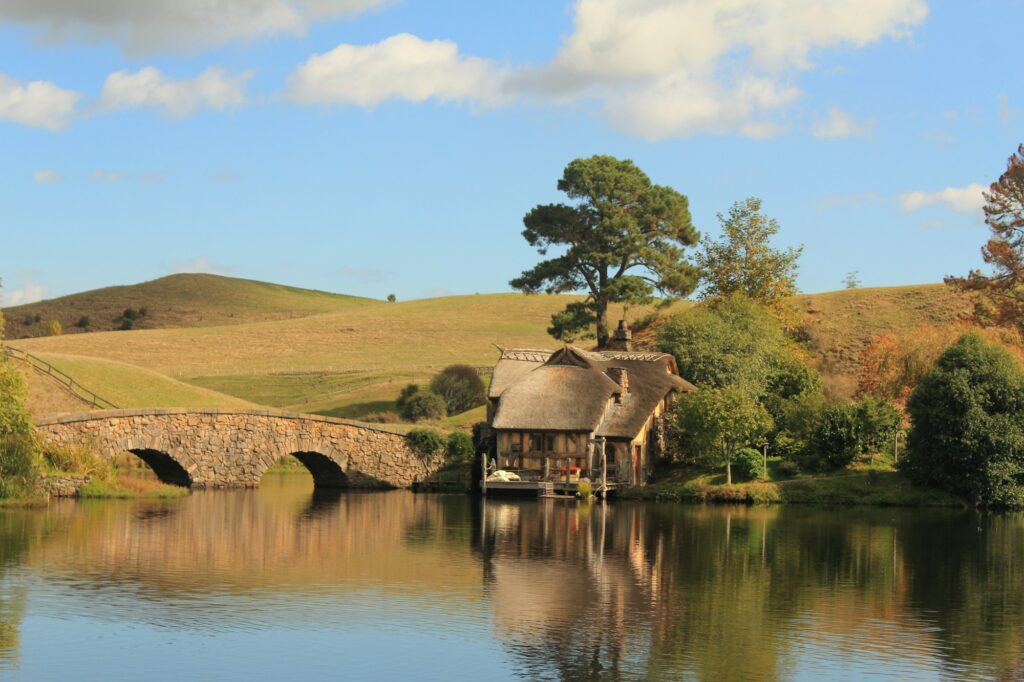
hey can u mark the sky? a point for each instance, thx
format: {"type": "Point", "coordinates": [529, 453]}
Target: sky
{"type": "Point", "coordinates": [393, 146]}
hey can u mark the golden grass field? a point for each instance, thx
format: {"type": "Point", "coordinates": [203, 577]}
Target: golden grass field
{"type": "Point", "coordinates": [353, 361]}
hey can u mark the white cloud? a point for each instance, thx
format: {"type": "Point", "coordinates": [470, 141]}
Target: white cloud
{"type": "Point", "coordinates": [147, 26]}
{"type": "Point", "coordinates": [30, 291]}
{"type": "Point", "coordinates": [712, 66]}
{"type": "Point", "coordinates": [967, 199]}
{"type": "Point", "coordinates": [841, 124]}
{"type": "Point", "coordinates": [39, 104]}
{"type": "Point", "coordinates": [212, 89]}
{"type": "Point", "coordinates": [198, 264]}
{"type": "Point", "coordinates": [677, 107]}
{"type": "Point", "coordinates": [45, 175]}
{"type": "Point", "coordinates": [104, 175]}
{"type": "Point", "coordinates": [400, 67]}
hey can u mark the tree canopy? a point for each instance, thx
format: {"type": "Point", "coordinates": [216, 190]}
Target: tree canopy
{"type": "Point", "coordinates": [1001, 294]}
{"type": "Point", "coordinates": [620, 240]}
{"type": "Point", "coordinates": [743, 261]}
{"type": "Point", "coordinates": [460, 386]}
{"type": "Point", "coordinates": [967, 424]}
{"type": "Point", "coordinates": [716, 422]}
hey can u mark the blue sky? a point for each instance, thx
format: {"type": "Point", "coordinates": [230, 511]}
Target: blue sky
{"type": "Point", "coordinates": [371, 147]}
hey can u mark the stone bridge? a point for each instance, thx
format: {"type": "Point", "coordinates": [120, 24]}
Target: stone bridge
{"type": "Point", "coordinates": [233, 448]}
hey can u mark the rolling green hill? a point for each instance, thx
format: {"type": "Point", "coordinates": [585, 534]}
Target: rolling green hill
{"type": "Point", "coordinates": [187, 300]}
{"type": "Point", "coordinates": [352, 360]}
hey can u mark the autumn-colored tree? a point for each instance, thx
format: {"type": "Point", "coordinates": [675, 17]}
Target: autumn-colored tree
{"type": "Point", "coordinates": [1000, 295]}
{"type": "Point", "coordinates": [892, 365]}
{"type": "Point", "coordinates": [620, 240]}
{"type": "Point", "coordinates": [743, 261]}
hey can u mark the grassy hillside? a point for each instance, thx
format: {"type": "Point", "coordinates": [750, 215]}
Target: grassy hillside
{"type": "Point", "coordinates": [187, 300]}
{"type": "Point", "coordinates": [129, 386]}
{"type": "Point", "coordinates": [353, 362]}
{"type": "Point", "coordinates": [839, 325]}
{"type": "Point", "coordinates": [375, 348]}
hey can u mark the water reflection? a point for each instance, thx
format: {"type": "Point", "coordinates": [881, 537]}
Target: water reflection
{"type": "Point", "coordinates": [448, 587]}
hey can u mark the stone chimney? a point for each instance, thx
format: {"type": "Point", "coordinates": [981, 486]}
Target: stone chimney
{"type": "Point", "coordinates": [622, 338]}
{"type": "Point", "coordinates": [620, 376]}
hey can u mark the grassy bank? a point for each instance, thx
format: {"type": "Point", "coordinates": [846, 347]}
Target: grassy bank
{"type": "Point", "coordinates": [864, 484]}
{"type": "Point", "coordinates": [124, 487]}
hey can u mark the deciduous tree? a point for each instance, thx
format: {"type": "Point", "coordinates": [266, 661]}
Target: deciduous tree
{"type": "Point", "coordinates": [743, 261]}
{"type": "Point", "coordinates": [620, 240]}
{"type": "Point", "coordinates": [715, 422]}
{"type": "Point", "coordinates": [1000, 295]}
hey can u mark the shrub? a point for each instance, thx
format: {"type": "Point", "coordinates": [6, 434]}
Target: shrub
{"type": "Point", "coordinates": [127, 324]}
{"type": "Point", "coordinates": [130, 314]}
{"type": "Point", "coordinates": [424, 405]}
{"type": "Point", "coordinates": [425, 442]}
{"type": "Point", "coordinates": [879, 421]}
{"type": "Point", "coordinates": [459, 447]}
{"type": "Point", "coordinates": [403, 397]}
{"type": "Point", "coordinates": [55, 328]}
{"type": "Point", "coordinates": [787, 468]}
{"type": "Point", "coordinates": [835, 440]}
{"type": "Point", "coordinates": [83, 322]}
{"type": "Point", "coordinates": [14, 418]}
{"type": "Point", "coordinates": [143, 311]}
{"type": "Point", "coordinates": [392, 298]}
{"type": "Point", "coordinates": [460, 386]}
{"type": "Point", "coordinates": [584, 489]}
{"type": "Point", "coordinates": [967, 425]}
{"type": "Point", "coordinates": [748, 464]}
{"type": "Point", "coordinates": [19, 464]}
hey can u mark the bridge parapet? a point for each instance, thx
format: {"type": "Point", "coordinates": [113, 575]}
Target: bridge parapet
{"type": "Point", "coordinates": [233, 448]}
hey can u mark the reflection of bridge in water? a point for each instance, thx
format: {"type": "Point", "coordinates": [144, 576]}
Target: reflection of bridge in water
{"type": "Point", "coordinates": [221, 448]}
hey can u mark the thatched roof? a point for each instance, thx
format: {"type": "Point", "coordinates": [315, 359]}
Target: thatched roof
{"type": "Point", "coordinates": [570, 390]}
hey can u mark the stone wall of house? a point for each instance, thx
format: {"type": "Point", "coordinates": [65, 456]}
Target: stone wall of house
{"type": "Point", "coordinates": [220, 448]}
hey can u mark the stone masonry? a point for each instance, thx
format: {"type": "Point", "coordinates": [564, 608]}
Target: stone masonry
{"type": "Point", "coordinates": [232, 448]}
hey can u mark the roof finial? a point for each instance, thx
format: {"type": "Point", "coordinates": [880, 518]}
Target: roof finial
{"type": "Point", "coordinates": [622, 338]}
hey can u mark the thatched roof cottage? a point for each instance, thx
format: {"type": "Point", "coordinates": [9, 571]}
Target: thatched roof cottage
{"type": "Point", "coordinates": [546, 409]}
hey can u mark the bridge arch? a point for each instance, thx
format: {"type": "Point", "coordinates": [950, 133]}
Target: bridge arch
{"type": "Point", "coordinates": [166, 468]}
{"type": "Point", "coordinates": [232, 448]}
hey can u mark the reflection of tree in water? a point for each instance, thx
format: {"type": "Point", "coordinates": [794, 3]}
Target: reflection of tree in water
{"type": "Point", "coordinates": [670, 592]}
{"type": "Point", "coordinates": [18, 528]}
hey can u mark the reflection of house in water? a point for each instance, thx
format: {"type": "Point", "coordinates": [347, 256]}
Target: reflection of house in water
{"type": "Point", "coordinates": [558, 602]}
{"type": "Point", "coordinates": [546, 408]}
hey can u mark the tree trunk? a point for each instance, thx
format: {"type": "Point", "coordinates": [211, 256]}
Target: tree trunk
{"type": "Point", "coordinates": [601, 312]}
{"type": "Point", "coordinates": [728, 469]}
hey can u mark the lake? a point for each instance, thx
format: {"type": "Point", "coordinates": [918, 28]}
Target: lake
{"type": "Point", "coordinates": [285, 583]}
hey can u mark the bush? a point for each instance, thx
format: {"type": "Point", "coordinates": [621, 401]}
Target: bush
{"type": "Point", "coordinates": [787, 468]}
{"type": "Point", "coordinates": [403, 397]}
{"type": "Point", "coordinates": [459, 447]}
{"type": "Point", "coordinates": [748, 464]}
{"type": "Point", "coordinates": [425, 442]}
{"type": "Point", "coordinates": [460, 386]}
{"type": "Point", "coordinates": [83, 322]}
{"type": "Point", "coordinates": [19, 465]}
{"type": "Point", "coordinates": [424, 405]}
{"type": "Point", "coordinates": [835, 440]}
{"type": "Point", "coordinates": [127, 324]}
{"type": "Point", "coordinates": [967, 425]}
{"type": "Point", "coordinates": [14, 418]}
{"type": "Point", "coordinates": [879, 421]}
{"type": "Point", "coordinates": [130, 314]}
{"type": "Point", "coordinates": [392, 298]}
{"type": "Point", "coordinates": [55, 328]}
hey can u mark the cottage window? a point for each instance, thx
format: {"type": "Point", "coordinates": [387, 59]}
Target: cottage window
{"type": "Point", "coordinates": [537, 442]}
{"type": "Point", "coordinates": [549, 443]}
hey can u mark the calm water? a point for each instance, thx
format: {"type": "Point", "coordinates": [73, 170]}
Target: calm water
{"type": "Point", "coordinates": [284, 584]}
